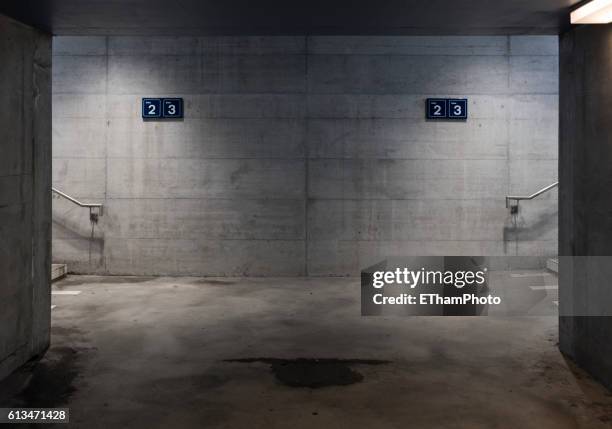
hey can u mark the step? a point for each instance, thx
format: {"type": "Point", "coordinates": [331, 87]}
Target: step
{"type": "Point", "coordinates": [553, 265]}
{"type": "Point", "coordinates": [58, 271]}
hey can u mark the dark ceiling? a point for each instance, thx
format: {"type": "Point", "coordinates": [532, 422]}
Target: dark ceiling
{"type": "Point", "coordinates": [273, 17]}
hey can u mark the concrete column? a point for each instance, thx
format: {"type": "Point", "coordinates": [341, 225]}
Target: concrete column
{"type": "Point", "coordinates": [585, 203]}
{"type": "Point", "coordinates": [25, 199]}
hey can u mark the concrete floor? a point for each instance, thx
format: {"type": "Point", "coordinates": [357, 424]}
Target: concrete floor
{"type": "Point", "coordinates": [157, 353]}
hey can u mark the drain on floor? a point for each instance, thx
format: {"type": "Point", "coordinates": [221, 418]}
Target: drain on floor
{"type": "Point", "coordinates": [314, 373]}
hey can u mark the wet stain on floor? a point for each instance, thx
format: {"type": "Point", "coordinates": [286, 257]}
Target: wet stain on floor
{"type": "Point", "coordinates": [314, 373]}
{"type": "Point", "coordinates": [49, 382]}
{"type": "Point", "coordinates": [66, 331]}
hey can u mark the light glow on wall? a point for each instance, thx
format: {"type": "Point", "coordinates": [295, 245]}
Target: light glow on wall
{"type": "Point", "coordinates": [594, 12]}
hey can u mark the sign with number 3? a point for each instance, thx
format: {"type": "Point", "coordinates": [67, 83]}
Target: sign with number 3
{"type": "Point", "coordinates": [173, 107]}
{"type": "Point", "coordinates": [457, 109]}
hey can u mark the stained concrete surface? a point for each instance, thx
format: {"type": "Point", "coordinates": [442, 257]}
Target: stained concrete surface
{"type": "Point", "coordinates": [585, 207]}
{"type": "Point", "coordinates": [153, 353]}
{"type": "Point", "coordinates": [301, 155]}
{"type": "Point", "coordinates": [25, 198]}
{"type": "Point", "coordinates": [314, 373]}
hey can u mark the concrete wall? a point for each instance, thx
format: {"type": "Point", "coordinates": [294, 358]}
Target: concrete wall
{"type": "Point", "coordinates": [301, 155]}
{"type": "Point", "coordinates": [25, 199]}
{"type": "Point", "coordinates": [585, 204]}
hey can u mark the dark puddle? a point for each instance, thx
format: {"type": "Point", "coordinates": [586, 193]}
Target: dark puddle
{"type": "Point", "coordinates": [46, 383]}
{"type": "Point", "coordinates": [314, 373]}
{"type": "Point", "coordinates": [65, 331]}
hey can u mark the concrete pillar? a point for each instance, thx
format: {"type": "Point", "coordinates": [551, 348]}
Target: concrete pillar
{"type": "Point", "coordinates": [25, 199]}
{"type": "Point", "coordinates": [585, 198]}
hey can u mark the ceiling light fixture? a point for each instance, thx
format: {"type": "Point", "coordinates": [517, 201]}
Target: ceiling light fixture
{"type": "Point", "coordinates": [594, 12]}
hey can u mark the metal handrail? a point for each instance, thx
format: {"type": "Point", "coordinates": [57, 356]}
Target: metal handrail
{"type": "Point", "coordinates": [517, 198]}
{"type": "Point", "coordinates": [90, 206]}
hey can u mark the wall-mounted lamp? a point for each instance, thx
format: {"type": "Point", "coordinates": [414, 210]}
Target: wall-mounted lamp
{"type": "Point", "coordinates": [593, 12]}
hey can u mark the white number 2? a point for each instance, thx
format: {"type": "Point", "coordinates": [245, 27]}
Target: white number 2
{"type": "Point", "coordinates": [151, 109]}
{"type": "Point", "coordinates": [437, 110]}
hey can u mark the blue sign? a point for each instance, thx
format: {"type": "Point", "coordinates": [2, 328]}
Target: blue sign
{"type": "Point", "coordinates": [457, 108]}
{"type": "Point", "coordinates": [151, 108]}
{"type": "Point", "coordinates": [436, 108]}
{"type": "Point", "coordinates": [172, 107]}
{"type": "Point", "coordinates": [447, 108]}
